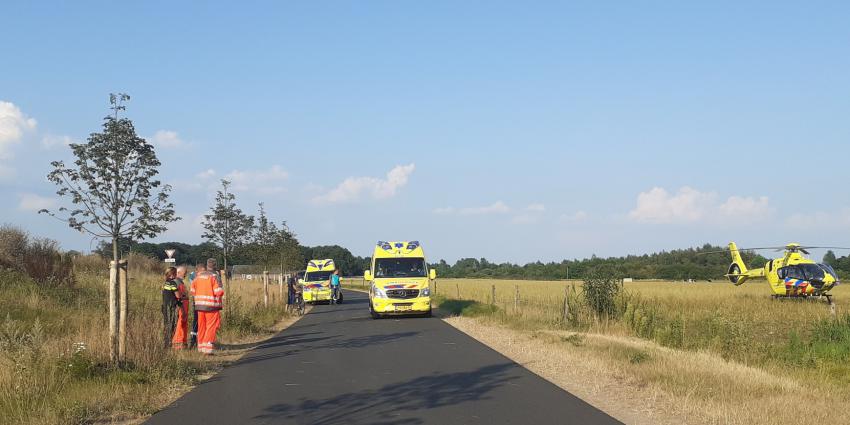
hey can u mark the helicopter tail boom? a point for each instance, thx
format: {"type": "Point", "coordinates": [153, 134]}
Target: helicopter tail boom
{"type": "Point", "coordinates": [737, 270]}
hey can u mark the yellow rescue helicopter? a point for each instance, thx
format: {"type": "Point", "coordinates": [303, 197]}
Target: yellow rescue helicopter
{"type": "Point", "coordinates": [790, 276]}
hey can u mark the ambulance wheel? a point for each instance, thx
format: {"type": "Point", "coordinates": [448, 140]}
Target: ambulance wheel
{"type": "Point", "coordinates": [427, 313]}
{"type": "Point", "coordinates": [372, 312]}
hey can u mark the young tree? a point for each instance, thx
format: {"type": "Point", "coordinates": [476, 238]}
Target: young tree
{"type": "Point", "coordinates": [830, 259]}
{"type": "Point", "coordinates": [264, 238]}
{"type": "Point", "coordinates": [115, 194]}
{"type": "Point", "coordinates": [288, 249]}
{"type": "Point", "coordinates": [227, 226]}
{"type": "Point", "coordinates": [264, 241]}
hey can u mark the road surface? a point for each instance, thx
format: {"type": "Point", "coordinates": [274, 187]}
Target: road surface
{"type": "Point", "coordinates": [338, 366]}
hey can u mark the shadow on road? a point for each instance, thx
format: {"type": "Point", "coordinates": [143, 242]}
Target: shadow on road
{"type": "Point", "coordinates": [275, 339]}
{"type": "Point", "coordinates": [396, 403]}
{"type": "Point", "coordinates": [368, 340]}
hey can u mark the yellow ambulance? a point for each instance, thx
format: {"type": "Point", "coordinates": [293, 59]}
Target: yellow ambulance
{"type": "Point", "coordinates": [316, 281]}
{"type": "Point", "coordinates": [400, 280]}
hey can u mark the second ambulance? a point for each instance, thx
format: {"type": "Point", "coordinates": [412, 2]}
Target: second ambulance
{"type": "Point", "coordinates": [400, 280]}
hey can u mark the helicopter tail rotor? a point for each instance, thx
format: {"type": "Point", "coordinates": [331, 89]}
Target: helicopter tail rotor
{"type": "Point", "coordinates": [738, 269]}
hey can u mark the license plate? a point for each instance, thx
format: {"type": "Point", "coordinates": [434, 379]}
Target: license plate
{"type": "Point", "coordinates": [403, 308]}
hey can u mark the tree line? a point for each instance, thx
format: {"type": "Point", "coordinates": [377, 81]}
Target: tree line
{"type": "Point", "coordinates": [701, 263]}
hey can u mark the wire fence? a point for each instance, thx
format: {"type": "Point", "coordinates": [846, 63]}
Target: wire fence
{"type": "Point", "coordinates": [556, 303]}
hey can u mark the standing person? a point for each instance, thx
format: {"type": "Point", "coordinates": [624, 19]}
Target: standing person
{"type": "Point", "coordinates": [290, 290]}
{"type": "Point", "coordinates": [212, 267]}
{"type": "Point", "coordinates": [207, 293]}
{"type": "Point", "coordinates": [335, 287]}
{"type": "Point", "coordinates": [193, 336]}
{"type": "Point", "coordinates": [170, 303]}
{"type": "Point", "coordinates": [178, 342]}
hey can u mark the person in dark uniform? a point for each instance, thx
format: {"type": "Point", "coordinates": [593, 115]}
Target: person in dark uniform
{"type": "Point", "coordinates": [170, 303]}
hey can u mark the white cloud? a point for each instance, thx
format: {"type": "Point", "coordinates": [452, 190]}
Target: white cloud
{"type": "Point", "coordinates": [260, 181]}
{"type": "Point", "coordinates": [167, 139]}
{"type": "Point", "coordinates": [13, 124]}
{"type": "Point", "coordinates": [573, 217]}
{"type": "Point", "coordinates": [689, 205]}
{"type": "Point", "coordinates": [206, 174]}
{"type": "Point", "coordinates": [748, 207]}
{"type": "Point", "coordinates": [33, 202]}
{"type": "Point", "coordinates": [51, 141]}
{"type": "Point", "coordinates": [353, 188]}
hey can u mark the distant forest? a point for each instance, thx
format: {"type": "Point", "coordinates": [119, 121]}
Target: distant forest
{"type": "Point", "coordinates": [680, 264]}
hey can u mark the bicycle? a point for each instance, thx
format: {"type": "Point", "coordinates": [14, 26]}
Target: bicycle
{"type": "Point", "coordinates": [300, 305]}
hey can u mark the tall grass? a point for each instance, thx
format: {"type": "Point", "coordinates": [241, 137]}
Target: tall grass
{"type": "Point", "coordinates": [742, 324]}
{"type": "Point", "coordinates": [54, 366]}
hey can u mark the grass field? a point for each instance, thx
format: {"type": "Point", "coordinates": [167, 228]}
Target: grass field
{"type": "Point", "coordinates": [715, 352]}
{"type": "Point", "coordinates": [54, 366]}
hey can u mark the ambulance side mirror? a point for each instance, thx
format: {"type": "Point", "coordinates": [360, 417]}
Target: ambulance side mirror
{"type": "Point", "coordinates": [367, 275]}
{"type": "Point", "coordinates": [432, 274]}
{"type": "Point", "coordinates": [300, 280]}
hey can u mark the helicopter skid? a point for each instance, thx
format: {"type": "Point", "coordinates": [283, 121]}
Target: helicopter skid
{"type": "Point", "coordinates": [821, 297]}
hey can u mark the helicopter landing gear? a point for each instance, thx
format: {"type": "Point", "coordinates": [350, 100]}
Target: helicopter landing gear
{"type": "Point", "coordinates": [822, 297]}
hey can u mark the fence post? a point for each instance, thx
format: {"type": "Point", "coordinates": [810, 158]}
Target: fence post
{"type": "Point", "coordinates": [113, 311]}
{"type": "Point", "coordinates": [457, 286]}
{"type": "Point", "coordinates": [123, 310]}
{"type": "Point", "coordinates": [493, 299]}
{"type": "Point", "coordinates": [225, 284]}
{"type": "Point", "coordinates": [516, 299]}
{"type": "Point", "coordinates": [265, 288]}
{"type": "Point", "coordinates": [280, 286]}
{"type": "Point", "coordinates": [567, 304]}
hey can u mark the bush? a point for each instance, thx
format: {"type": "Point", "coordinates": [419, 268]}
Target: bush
{"type": "Point", "coordinates": [600, 294]}
{"type": "Point", "coordinates": [39, 258]}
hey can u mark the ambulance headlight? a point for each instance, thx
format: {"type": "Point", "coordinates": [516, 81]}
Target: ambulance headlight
{"type": "Point", "coordinates": [378, 292]}
{"type": "Point", "coordinates": [426, 292]}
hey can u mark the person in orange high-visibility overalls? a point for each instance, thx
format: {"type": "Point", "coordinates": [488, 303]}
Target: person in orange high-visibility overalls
{"type": "Point", "coordinates": [207, 293]}
{"type": "Point", "coordinates": [178, 342]}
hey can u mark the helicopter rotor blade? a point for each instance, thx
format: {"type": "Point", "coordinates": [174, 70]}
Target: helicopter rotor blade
{"type": "Point", "coordinates": [726, 251]}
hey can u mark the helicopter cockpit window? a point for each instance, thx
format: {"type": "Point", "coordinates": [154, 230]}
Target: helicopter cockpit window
{"type": "Point", "coordinates": [802, 271]}
{"type": "Point", "coordinates": [829, 269]}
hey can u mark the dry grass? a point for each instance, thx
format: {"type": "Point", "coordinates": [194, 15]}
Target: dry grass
{"type": "Point", "coordinates": [54, 366]}
{"type": "Point", "coordinates": [711, 352]}
{"type": "Point", "coordinates": [640, 382]}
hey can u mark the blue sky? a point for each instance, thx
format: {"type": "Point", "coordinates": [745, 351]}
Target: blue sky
{"type": "Point", "coordinates": [509, 131]}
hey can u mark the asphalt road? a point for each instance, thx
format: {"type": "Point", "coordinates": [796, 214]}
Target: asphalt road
{"type": "Point", "coordinates": [338, 366]}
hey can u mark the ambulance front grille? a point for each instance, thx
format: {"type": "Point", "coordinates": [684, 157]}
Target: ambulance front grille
{"type": "Point", "coordinates": [402, 294]}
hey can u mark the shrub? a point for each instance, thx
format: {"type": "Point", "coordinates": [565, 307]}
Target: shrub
{"type": "Point", "coordinates": [600, 294]}
{"type": "Point", "coordinates": [45, 265]}
{"type": "Point", "coordinates": [39, 258]}
{"type": "Point", "coordinates": [13, 247]}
